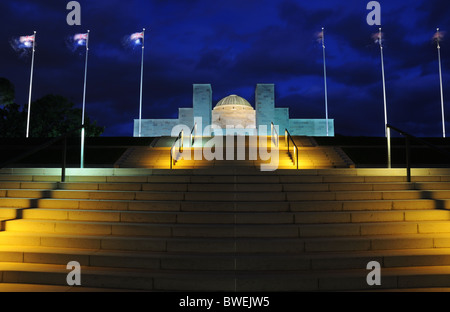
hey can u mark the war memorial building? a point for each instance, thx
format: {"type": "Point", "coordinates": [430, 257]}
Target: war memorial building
{"type": "Point", "coordinates": [236, 112]}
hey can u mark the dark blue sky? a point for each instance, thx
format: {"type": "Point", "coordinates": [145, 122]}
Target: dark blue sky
{"type": "Point", "coordinates": [234, 45]}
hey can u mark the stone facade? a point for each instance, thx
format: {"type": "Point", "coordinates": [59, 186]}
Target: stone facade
{"type": "Point", "coordinates": [202, 104]}
{"type": "Point", "coordinates": [265, 112]}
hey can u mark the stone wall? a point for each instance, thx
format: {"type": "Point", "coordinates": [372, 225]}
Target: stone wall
{"type": "Point", "coordinates": [265, 104]}
{"type": "Point", "coordinates": [202, 103]}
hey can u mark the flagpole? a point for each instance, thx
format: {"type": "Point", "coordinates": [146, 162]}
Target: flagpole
{"type": "Point", "coordinates": [31, 85]}
{"type": "Point", "coordinates": [84, 102]}
{"type": "Point", "coordinates": [387, 130]}
{"type": "Point", "coordinates": [142, 78]}
{"type": "Point", "coordinates": [440, 79]}
{"type": "Point", "coordinates": [325, 78]}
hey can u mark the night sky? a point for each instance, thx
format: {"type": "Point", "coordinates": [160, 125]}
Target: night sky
{"type": "Point", "coordinates": [234, 45]}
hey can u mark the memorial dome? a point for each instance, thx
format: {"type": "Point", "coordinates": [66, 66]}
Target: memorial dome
{"type": "Point", "coordinates": [233, 101]}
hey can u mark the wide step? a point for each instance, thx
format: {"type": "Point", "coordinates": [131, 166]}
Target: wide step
{"type": "Point", "coordinates": [227, 229]}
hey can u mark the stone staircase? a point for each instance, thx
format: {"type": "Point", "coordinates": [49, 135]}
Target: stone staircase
{"type": "Point", "coordinates": [311, 156]}
{"type": "Point", "coordinates": [225, 229]}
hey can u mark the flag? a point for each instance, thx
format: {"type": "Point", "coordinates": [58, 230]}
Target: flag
{"type": "Point", "coordinates": [81, 39]}
{"type": "Point", "coordinates": [438, 36]}
{"type": "Point", "coordinates": [319, 37]}
{"type": "Point", "coordinates": [139, 35]}
{"type": "Point", "coordinates": [137, 38]}
{"type": "Point", "coordinates": [26, 41]}
{"type": "Point", "coordinates": [378, 37]}
{"type": "Point", "coordinates": [23, 44]}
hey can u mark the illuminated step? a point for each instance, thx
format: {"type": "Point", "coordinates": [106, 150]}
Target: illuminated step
{"type": "Point", "coordinates": [392, 278]}
{"type": "Point", "coordinates": [101, 186]}
{"type": "Point", "coordinates": [227, 206]}
{"type": "Point", "coordinates": [369, 195]}
{"type": "Point", "coordinates": [180, 224]}
{"type": "Point", "coordinates": [432, 185]}
{"type": "Point", "coordinates": [82, 241]}
{"type": "Point", "coordinates": [366, 186]}
{"type": "Point", "coordinates": [88, 228]}
{"type": "Point", "coordinates": [8, 213]}
{"type": "Point", "coordinates": [221, 245]}
{"type": "Point", "coordinates": [133, 205]}
{"type": "Point", "coordinates": [156, 195]}
{"type": "Point", "coordinates": [159, 217]}
{"type": "Point", "coordinates": [116, 195]}
{"type": "Point", "coordinates": [366, 205]}
{"type": "Point", "coordinates": [235, 196]}
{"type": "Point", "coordinates": [247, 206]}
{"type": "Point", "coordinates": [229, 214]}
{"type": "Point", "coordinates": [248, 262]}
{"type": "Point", "coordinates": [227, 230]}
{"type": "Point", "coordinates": [86, 257]}
{"type": "Point", "coordinates": [322, 245]}
{"type": "Point", "coordinates": [16, 202]}
{"type": "Point", "coordinates": [151, 230]}
{"type": "Point", "coordinates": [305, 262]}
{"type": "Point", "coordinates": [22, 287]}
{"type": "Point", "coordinates": [28, 185]}
{"type": "Point", "coordinates": [380, 242]}
{"type": "Point", "coordinates": [357, 229]}
{"type": "Point", "coordinates": [54, 274]}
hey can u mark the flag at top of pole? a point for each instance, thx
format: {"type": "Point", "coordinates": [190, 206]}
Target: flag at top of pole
{"type": "Point", "coordinates": [378, 38]}
{"type": "Point", "coordinates": [438, 36]}
{"type": "Point", "coordinates": [29, 42]}
{"type": "Point", "coordinates": [22, 45]}
{"type": "Point", "coordinates": [138, 38]}
{"type": "Point", "coordinates": [83, 40]}
{"type": "Point", "coordinates": [321, 36]}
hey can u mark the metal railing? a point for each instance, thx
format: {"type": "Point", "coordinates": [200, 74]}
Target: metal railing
{"type": "Point", "coordinates": [408, 137]}
{"type": "Point", "coordinates": [274, 137]}
{"type": "Point", "coordinates": [193, 134]}
{"type": "Point", "coordinates": [288, 139]}
{"type": "Point", "coordinates": [179, 140]}
{"type": "Point", "coordinates": [44, 146]}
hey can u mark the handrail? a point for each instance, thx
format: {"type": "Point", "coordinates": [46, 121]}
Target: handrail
{"type": "Point", "coordinates": [180, 148]}
{"type": "Point", "coordinates": [274, 133]}
{"type": "Point", "coordinates": [43, 146]}
{"type": "Point", "coordinates": [180, 140]}
{"type": "Point", "coordinates": [193, 131]}
{"type": "Point", "coordinates": [288, 138]}
{"type": "Point", "coordinates": [408, 148]}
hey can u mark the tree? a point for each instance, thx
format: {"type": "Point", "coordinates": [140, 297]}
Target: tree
{"type": "Point", "coordinates": [54, 115]}
{"type": "Point", "coordinates": [51, 116]}
{"type": "Point", "coordinates": [12, 121]}
{"type": "Point", "coordinates": [7, 93]}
